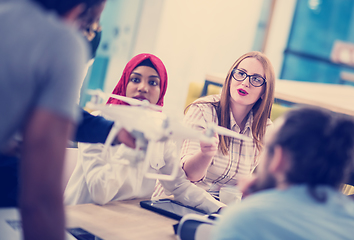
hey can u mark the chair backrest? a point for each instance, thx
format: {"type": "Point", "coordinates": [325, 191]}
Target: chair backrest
{"type": "Point", "coordinates": [195, 91]}
{"type": "Point", "coordinates": [277, 111]}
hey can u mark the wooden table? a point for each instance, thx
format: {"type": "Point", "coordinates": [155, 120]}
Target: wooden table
{"type": "Point", "coordinates": [121, 220]}
{"type": "Point", "coordinates": [335, 97]}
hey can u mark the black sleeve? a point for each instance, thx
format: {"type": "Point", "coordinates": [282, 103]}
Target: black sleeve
{"type": "Point", "coordinates": [92, 129]}
{"type": "Point", "coordinates": [350, 181]}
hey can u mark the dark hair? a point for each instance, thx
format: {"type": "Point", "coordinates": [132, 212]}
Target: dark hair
{"type": "Point", "coordinates": [94, 43]}
{"type": "Point", "coordinates": [147, 63]}
{"type": "Point", "coordinates": [63, 6]}
{"type": "Point", "coordinates": [321, 145]}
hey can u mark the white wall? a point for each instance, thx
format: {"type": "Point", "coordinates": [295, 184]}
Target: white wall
{"type": "Point", "coordinates": [202, 36]}
{"type": "Point", "coordinates": [120, 20]}
{"type": "Point", "coordinates": [196, 37]}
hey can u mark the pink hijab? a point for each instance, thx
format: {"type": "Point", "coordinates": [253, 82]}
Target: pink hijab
{"type": "Point", "coordinates": [121, 87]}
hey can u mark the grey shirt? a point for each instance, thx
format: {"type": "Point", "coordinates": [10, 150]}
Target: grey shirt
{"type": "Point", "coordinates": [288, 214]}
{"type": "Point", "coordinates": [42, 62]}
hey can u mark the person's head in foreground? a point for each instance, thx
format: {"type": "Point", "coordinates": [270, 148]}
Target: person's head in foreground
{"type": "Point", "coordinates": [295, 193]}
{"type": "Point", "coordinates": [144, 78]}
{"type": "Point", "coordinates": [46, 56]}
{"type": "Point", "coordinates": [309, 146]}
{"type": "Point", "coordinates": [82, 13]}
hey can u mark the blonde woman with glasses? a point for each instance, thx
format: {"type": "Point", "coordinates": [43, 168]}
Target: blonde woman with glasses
{"type": "Point", "coordinates": [243, 106]}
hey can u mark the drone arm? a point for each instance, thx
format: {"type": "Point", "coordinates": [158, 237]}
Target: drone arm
{"type": "Point", "coordinates": [111, 137]}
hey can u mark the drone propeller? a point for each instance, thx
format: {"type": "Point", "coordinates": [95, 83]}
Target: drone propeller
{"type": "Point", "coordinates": [97, 95]}
{"type": "Point", "coordinates": [130, 101]}
{"type": "Point", "coordinates": [226, 132]}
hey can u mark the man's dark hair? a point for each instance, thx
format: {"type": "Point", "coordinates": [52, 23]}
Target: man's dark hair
{"type": "Point", "coordinates": [321, 145]}
{"type": "Point", "coordinates": [63, 6]}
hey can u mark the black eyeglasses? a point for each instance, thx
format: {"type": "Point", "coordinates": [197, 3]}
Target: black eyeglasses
{"type": "Point", "coordinates": [255, 80]}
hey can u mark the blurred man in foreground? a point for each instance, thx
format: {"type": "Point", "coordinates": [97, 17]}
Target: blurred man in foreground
{"type": "Point", "coordinates": [295, 192]}
{"type": "Point", "coordinates": [43, 57]}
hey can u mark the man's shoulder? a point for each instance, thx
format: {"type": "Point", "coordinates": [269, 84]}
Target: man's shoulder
{"type": "Point", "coordinates": [281, 213]}
{"type": "Point", "coordinates": [263, 202]}
{"type": "Point", "coordinates": [240, 218]}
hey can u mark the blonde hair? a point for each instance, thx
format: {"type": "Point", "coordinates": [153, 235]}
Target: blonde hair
{"type": "Point", "coordinates": [261, 109]}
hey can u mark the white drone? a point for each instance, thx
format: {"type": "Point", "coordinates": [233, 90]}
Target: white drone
{"type": "Point", "coordinates": [149, 125]}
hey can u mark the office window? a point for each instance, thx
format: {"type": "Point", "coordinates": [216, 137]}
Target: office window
{"type": "Point", "coordinates": [316, 26]}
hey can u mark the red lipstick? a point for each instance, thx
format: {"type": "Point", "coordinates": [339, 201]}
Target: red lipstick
{"type": "Point", "coordinates": [242, 92]}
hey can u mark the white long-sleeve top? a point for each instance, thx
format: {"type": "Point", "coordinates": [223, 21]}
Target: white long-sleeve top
{"type": "Point", "coordinates": [97, 180]}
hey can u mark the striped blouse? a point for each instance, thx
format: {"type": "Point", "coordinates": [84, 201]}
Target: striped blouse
{"type": "Point", "coordinates": [224, 169]}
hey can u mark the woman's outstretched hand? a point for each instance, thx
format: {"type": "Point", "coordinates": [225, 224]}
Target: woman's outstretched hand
{"type": "Point", "coordinates": [210, 149]}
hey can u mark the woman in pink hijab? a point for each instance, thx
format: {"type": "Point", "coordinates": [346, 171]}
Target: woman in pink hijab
{"type": "Point", "coordinates": [98, 179]}
{"type": "Point", "coordinates": [132, 70]}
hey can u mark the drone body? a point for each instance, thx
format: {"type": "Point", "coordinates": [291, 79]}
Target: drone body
{"type": "Point", "coordinates": [149, 125]}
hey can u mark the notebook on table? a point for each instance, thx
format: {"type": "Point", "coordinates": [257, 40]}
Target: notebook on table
{"type": "Point", "coordinates": [10, 225]}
